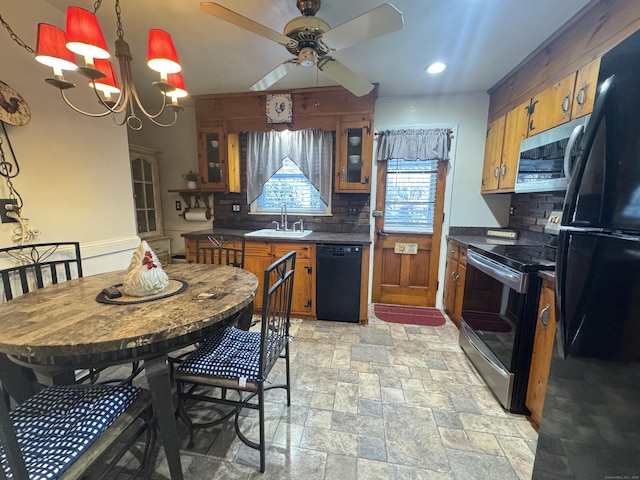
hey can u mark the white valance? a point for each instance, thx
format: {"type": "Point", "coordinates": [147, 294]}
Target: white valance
{"type": "Point", "coordinates": [311, 150]}
{"type": "Point", "coordinates": [423, 144]}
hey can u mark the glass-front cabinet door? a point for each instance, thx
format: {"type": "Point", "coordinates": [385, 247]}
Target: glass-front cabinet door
{"type": "Point", "coordinates": [354, 146]}
{"type": "Point", "coordinates": [212, 159]}
{"type": "Point", "coordinates": [146, 195]}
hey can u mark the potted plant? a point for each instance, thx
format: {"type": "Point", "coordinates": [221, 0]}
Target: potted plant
{"type": "Point", "coordinates": [192, 179]}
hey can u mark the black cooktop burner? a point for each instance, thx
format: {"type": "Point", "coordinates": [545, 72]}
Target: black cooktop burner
{"type": "Point", "coordinates": [525, 258]}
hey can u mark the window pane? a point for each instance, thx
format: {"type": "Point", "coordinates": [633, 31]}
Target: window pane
{"type": "Point", "coordinates": [289, 186]}
{"type": "Point", "coordinates": [411, 195]}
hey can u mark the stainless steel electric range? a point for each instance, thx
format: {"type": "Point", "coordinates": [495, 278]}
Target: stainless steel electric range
{"type": "Point", "coordinates": [499, 311]}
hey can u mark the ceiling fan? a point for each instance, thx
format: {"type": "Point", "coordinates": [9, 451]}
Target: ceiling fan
{"type": "Point", "coordinates": [312, 40]}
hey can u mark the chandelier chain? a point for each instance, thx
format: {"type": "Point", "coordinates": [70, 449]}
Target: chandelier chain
{"type": "Point", "coordinates": [119, 29]}
{"type": "Point", "coordinates": [15, 37]}
{"type": "Point", "coordinates": [96, 6]}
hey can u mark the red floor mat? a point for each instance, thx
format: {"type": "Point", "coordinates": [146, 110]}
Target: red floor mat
{"type": "Point", "coordinates": [430, 317]}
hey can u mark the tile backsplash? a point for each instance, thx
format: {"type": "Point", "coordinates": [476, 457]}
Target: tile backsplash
{"type": "Point", "coordinates": [530, 210]}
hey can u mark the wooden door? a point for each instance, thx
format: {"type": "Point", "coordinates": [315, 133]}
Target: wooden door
{"type": "Point", "coordinates": [406, 278]}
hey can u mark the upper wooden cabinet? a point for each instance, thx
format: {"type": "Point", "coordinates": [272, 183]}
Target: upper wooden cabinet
{"type": "Point", "coordinates": [552, 106]}
{"type": "Point", "coordinates": [218, 159]}
{"type": "Point", "coordinates": [493, 155]}
{"type": "Point", "coordinates": [585, 89]}
{"type": "Point", "coordinates": [570, 98]}
{"type": "Point", "coordinates": [354, 151]}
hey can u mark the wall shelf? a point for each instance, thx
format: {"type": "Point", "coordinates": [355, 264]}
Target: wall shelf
{"type": "Point", "coordinates": [200, 197]}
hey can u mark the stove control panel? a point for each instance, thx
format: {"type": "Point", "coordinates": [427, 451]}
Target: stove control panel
{"type": "Point", "coordinates": [553, 222]}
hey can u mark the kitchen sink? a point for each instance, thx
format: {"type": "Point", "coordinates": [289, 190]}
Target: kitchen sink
{"type": "Point", "coordinates": [272, 233]}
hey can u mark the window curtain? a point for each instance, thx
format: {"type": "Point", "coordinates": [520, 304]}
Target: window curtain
{"type": "Point", "coordinates": [424, 144]}
{"type": "Point", "coordinates": [310, 150]}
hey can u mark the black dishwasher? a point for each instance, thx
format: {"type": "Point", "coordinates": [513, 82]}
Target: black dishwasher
{"type": "Point", "coordinates": [338, 282]}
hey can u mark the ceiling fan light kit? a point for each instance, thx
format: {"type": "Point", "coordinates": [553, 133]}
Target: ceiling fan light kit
{"type": "Point", "coordinates": [310, 39]}
{"type": "Point", "coordinates": [83, 36]}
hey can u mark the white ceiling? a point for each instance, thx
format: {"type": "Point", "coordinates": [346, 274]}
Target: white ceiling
{"type": "Point", "coordinates": [481, 40]}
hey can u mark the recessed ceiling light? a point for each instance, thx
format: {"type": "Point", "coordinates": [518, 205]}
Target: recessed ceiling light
{"type": "Point", "coordinates": [436, 67]}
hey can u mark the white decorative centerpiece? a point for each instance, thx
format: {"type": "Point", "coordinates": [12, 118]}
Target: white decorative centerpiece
{"type": "Point", "coordinates": [144, 275]}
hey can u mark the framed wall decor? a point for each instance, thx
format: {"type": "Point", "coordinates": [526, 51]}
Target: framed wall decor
{"type": "Point", "coordinates": [279, 109]}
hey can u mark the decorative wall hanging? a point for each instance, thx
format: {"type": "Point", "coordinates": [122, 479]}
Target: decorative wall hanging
{"type": "Point", "coordinates": [279, 109]}
{"type": "Point", "coordinates": [15, 111]}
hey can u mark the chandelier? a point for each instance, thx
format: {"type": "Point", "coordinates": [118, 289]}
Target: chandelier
{"type": "Point", "coordinates": [83, 36]}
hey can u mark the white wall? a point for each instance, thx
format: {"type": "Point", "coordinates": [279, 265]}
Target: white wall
{"type": "Point", "coordinates": [75, 177]}
{"type": "Point", "coordinates": [178, 147]}
{"type": "Point", "coordinates": [466, 115]}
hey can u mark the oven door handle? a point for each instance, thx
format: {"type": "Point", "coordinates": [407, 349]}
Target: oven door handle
{"type": "Point", "coordinates": [490, 361]}
{"type": "Point", "coordinates": [502, 273]}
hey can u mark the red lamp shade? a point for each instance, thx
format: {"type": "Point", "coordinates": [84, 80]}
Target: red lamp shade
{"type": "Point", "coordinates": [162, 56]}
{"type": "Point", "coordinates": [176, 80]}
{"type": "Point", "coordinates": [51, 50]}
{"type": "Point", "coordinates": [84, 35]}
{"type": "Point", "coordinates": [109, 84]}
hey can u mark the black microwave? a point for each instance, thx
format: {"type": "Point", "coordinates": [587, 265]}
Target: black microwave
{"type": "Point", "coordinates": [547, 158]}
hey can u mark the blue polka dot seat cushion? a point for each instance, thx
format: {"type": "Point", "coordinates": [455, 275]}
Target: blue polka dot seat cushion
{"type": "Point", "coordinates": [55, 426]}
{"type": "Point", "coordinates": [229, 353]}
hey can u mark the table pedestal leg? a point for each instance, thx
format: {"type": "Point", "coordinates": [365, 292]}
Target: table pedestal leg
{"type": "Point", "coordinates": [157, 373]}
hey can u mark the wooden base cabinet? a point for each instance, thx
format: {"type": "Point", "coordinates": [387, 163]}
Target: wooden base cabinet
{"type": "Point", "coordinates": [259, 255]}
{"type": "Point", "coordinates": [455, 274]}
{"type": "Point", "coordinates": [542, 350]}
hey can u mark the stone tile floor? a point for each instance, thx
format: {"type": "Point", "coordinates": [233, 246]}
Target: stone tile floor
{"type": "Point", "coordinates": [381, 401]}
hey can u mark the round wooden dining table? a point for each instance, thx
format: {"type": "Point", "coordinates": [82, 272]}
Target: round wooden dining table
{"type": "Point", "coordinates": [73, 325]}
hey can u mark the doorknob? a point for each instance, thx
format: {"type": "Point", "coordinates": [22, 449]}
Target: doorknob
{"type": "Point", "coordinates": [380, 233]}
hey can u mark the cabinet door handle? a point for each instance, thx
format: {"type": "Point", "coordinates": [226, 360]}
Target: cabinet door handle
{"type": "Point", "coordinates": [343, 174]}
{"type": "Point", "coordinates": [503, 170]}
{"type": "Point", "coordinates": [581, 96]}
{"type": "Point", "coordinates": [544, 315]}
{"type": "Point", "coordinates": [309, 270]}
{"type": "Point", "coordinates": [366, 181]}
{"type": "Point", "coordinates": [496, 172]}
{"type": "Point", "coordinates": [566, 103]}
{"type": "Point", "coordinates": [453, 276]}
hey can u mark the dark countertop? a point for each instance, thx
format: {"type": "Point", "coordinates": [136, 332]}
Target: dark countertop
{"type": "Point", "coordinates": [548, 275]}
{"type": "Point", "coordinates": [315, 237]}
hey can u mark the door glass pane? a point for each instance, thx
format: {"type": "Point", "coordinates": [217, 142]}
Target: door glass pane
{"type": "Point", "coordinates": [411, 195]}
{"type": "Point", "coordinates": [354, 155]}
{"type": "Point", "coordinates": [136, 169]}
{"type": "Point", "coordinates": [213, 158]}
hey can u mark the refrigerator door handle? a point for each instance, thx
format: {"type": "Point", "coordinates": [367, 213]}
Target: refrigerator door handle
{"type": "Point", "coordinates": [567, 153]}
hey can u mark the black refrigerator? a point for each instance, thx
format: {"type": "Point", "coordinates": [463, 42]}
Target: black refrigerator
{"type": "Point", "coordinates": [590, 426]}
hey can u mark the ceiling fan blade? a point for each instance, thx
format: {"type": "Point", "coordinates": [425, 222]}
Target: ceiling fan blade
{"type": "Point", "coordinates": [346, 77]}
{"type": "Point", "coordinates": [223, 13]}
{"type": "Point", "coordinates": [274, 75]}
{"type": "Point", "coordinates": [381, 20]}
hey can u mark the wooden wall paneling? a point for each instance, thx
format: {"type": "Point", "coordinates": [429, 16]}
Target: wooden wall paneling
{"type": "Point", "coordinates": [597, 28]}
{"type": "Point", "coordinates": [311, 102]}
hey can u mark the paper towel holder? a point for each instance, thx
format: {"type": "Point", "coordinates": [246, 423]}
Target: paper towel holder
{"type": "Point", "coordinates": [198, 195]}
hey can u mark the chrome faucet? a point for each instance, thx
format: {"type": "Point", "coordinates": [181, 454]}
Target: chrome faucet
{"type": "Point", "coordinates": [299, 222]}
{"type": "Point", "coordinates": [283, 217]}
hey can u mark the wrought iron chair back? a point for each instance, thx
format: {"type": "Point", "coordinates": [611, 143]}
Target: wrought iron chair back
{"type": "Point", "coordinates": [221, 251]}
{"type": "Point", "coordinates": [25, 268]}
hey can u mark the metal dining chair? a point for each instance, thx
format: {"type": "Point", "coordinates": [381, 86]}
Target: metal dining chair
{"type": "Point", "coordinates": [237, 360]}
{"type": "Point", "coordinates": [218, 250]}
{"type": "Point", "coordinates": [221, 250]}
{"type": "Point", "coordinates": [63, 431]}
